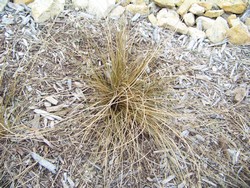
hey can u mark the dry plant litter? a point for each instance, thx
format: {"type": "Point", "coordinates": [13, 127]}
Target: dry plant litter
{"type": "Point", "coordinates": [111, 112]}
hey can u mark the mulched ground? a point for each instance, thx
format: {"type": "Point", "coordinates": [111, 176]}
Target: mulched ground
{"type": "Point", "coordinates": [210, 88]}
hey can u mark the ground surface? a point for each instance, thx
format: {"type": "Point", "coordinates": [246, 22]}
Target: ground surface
{"type": "Point", "coordinates": [209, 87]}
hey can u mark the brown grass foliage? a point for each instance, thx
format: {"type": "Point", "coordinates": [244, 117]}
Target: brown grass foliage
{"type": "Point", "coordinates": [130, 111]}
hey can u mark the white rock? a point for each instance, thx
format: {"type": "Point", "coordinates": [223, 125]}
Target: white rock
{"type": "Point", "coordinates": [57, 7]}
{"type": "Point", "coordinates": [234, 22]}
{"type": "Point", "coordinates": [236, 6]}
{"type": "Point", "coordinates": [167, 13]}
{"type": "Point", "coordinates": [142, 9]}
{"type": "Point", "coordinates": [26, 2]}
{"type": "Point", "coordinates": [173, 24]}
{"type": "Point", "coordinates": [3, 4]}
{"type": "Point", "coordinates": [247, 23]}
{"type": "Point", "coordinates": [123, 2]}
{"type": "Point", "coordinates": [152, 19]}
{"type": "Point", "coordinates": [213, 13]}
{"type": "Point", "coordinates": [185, 6]}
{"type": "Point", "coordinates": [239, 34]}
{"type": "Point", "coordinates": [137, 2]}
{"type": "Point", "coordinates": [40, 9]}
{"type": "Point", "coordinates": [207, 5]}
{"type": "Point", "coordinates": [231, 19]}
{"type": "Point", "coordinates": [196, 33]}
{"type": "Point", "coordinates": [117, 12]}
{"type": "Point", "coordinates": [165, 3]}
{"type": "Point", "coordinates": [170, 19]}
{"type": "Point", "coordinates": [189, 19]}
{"type": "Point", "coordinates": [100, 8]}
{"type": "Point", "coordinates": [206, 22]}
{"type": "Point", "coordinates": [217, 33]}
{"type": "Point", "coordinates": [197, 9]}
{"type": "Point", "coordinates": [81, 4]}
{"type": "Point", "coordinates": [43, 10]}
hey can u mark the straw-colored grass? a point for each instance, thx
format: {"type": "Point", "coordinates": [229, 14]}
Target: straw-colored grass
{"type": "Point", "coordinates": [129, 108]}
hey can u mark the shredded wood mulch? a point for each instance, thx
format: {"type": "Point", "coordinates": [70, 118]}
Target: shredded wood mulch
{"type": "Point", "coordinates": [43, 91]}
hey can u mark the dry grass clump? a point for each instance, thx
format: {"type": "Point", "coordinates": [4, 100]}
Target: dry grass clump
{"type": "Point", "coordinates": [129, 113]}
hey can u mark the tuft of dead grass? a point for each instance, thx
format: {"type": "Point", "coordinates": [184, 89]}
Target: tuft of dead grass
{"type": "Point", "coordinates": [129, 113]}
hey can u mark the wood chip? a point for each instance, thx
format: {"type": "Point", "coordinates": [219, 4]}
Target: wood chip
{"type": "Point", "coordinates": [46, 104]}
{"type": "Point", "coordinates": [71, 183]}
{"type": "Point", "coordinates": [234, 155]}
{"type": "Point", "coordinates": [44, 163]}
{"type": "Point", "coordinates": [168, 179]}
{"type": "Point", "coordinates": [69, 82]}
{"type": "Point", "coordinates": [47, 115]}
{"type": "Point", "coordinates": [52, 100]}
{"type": "Point", "coordinates": [182, 185]}
{"type": "Point", "coordinates": [55, 108]}
{"type": "Point", "coordinates": [36, 121]}
{"type": "Point", "coordinates": [200, 138]}
{"type": "Point", "coordinates": [203, 77]}
{"type": "Point", "coordinates": [184, 133]}
{"type": "Point", "coordinates": [78, 84]}
{"type": "Point", "coordinates": [199, 67]}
